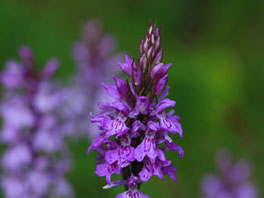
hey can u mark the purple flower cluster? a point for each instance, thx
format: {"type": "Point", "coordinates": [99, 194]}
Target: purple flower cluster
{"type": "Point", "coordinates": [233, 181]}
{"type": "Point", "coordinates": [95, 59]}
{"type": "Point", "coordinates": [35, 159]}
{"type": "Point", "coordinates": [135, 125]}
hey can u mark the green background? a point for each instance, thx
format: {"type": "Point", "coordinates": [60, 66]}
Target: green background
{"type": "Point", "coordinates": [216, 48]}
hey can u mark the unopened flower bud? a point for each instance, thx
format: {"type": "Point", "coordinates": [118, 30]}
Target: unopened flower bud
{"type": "Point", "coordinates": [161, 84]}
{"type": "Point", "coordinates": [159, 70]}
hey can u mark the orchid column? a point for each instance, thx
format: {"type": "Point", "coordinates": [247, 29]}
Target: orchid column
{"type": "Point", "coordinates": [35, 159]}
{"type": "Point", "coordinates": [135, 128]}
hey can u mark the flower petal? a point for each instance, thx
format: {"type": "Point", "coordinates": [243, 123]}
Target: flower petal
{"type": "Point", "coordinates": [164, 104]}
{"type": "Point", "coordinates": [112, 91]}
{"type": "Point", "coordinates": [142, 105]}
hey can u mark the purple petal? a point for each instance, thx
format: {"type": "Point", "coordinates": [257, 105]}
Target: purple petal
{"type": "Point", "coordinates": [171, 125]}
{"type": "Point", "coordinates": [139, 152]}
{"type": "Point", "coordinates": [12, 76]}
{"type": "Point", "coordinates": [105, 106]}
{"type": "Point", "coordinates": [164, 104]}
{"type": "Point", "coordinates": [247, 190]}
{"type": "Point", "coordinates": [97, 142]}
{"type": "Point", "coordinates": [118, 127]}
{"type": "Point", "coordinates": [241, 171]}
{"type": "Point", "coordinates": [170, 171]}
{"type": "Point", "coordinates": [112, 91]}
{"type": "Point", "coordinates": [121, 86]}
{"type": "Point", "coordinates": [126, 67]}
{"type": "Point", "coordinates": [161, 84]}
{"type": "Point", "coordinates": [211, 185]}
{"type": "Point", "coordinates": [101, 169]}
{"type": "Point", "coordinates": [107, 170]}
{"type": "Point", "coordinates": [149, 169]}
{"type": "Point", "coordinates": [17, 157]}
{"type": "Point", "coordinates": [161, 155]}
{"type": "Point", "coordinates": [132, 194]}
{"type": "Point", "coordinates": [158, 58]}
{"type": "Point", "coordinates": [143, 62]}
{"type": "Point", "coordinates": [121, 107]}
{"type": "Point", "coordinates": [115, 183]}
{"type": "Point", "coordinates": [159, 71]}
{"type": "Point", "coordinates": [126, 155]}
{"type": "Point", "coordinates": [165, 93]}
{"type": "Point", "coordinates": [137, 76]}
{"type": "Point", "coordinates": [154, 126]}
{"type": "Point", "coordinates": [142, 105]}
{"type": "Point", "coordinates": [111, 156]}
{"type": "Point", "coordinates": [80, 52]}
{"type": "Point", "coordinates": [174, 147]}
{"type": "Point", "coordinates": [146, 173]}
{"type": "Point", "coordinates": [50, 68]}
{"type": "Point", "coordinates": [136, 126]}
{"type": "Point", "coordinates": [146, 148]}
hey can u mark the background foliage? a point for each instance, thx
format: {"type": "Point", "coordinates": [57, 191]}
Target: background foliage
{"type": "Point", "coordinates": [216, 48]}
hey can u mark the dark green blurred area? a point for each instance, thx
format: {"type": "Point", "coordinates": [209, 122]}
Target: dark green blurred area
{"type": "Point", "coordinates": [217, 77]}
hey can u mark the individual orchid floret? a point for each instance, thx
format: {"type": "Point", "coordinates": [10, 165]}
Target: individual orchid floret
{"type": "Point", "coordinates": [127, 66]}
{"type": "Point", "coordinates": [148, 147]}
{"type": "Point", "coordinates": [232, 181]}
{"type": "Point", "coordinates": [132, 191]}
{"type": "Point", "coordinates": [35, 145]}
{"type": "Point", "coordinates": [123, 154]}
{"type": "Point", "coordinates": [135, 125]}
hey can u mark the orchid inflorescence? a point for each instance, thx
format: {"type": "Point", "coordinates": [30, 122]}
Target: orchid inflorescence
{"type": "Point", "coordinates": [94, 57]}
{"type": "Point", "coordinates": [233, 179]}
{"type": "Point", "coordinates": [135, 126]}
{"type": "Point", "coordinates": [36, 157]}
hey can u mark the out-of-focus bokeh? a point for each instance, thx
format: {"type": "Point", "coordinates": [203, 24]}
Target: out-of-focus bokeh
{"type": "Point", "coordinates": [217, 77]}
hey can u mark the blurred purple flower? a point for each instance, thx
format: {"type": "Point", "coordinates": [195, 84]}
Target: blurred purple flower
{"type": "Point", "coordinates": [95, 59]}
{"type": "Point", "coordinates": [233, 180]}
{"type": "Point", "coordinates": [31, 132]}
{"type": "Point", "coordinates": [134, 125]}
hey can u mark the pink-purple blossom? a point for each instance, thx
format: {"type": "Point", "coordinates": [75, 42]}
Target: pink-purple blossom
{"type": "Point", "coordinates": [135, 124]}
{"type": "Point", "coordinates": [94, 56]}
{"type": "Point", "coordinates": [35, 144]}
{"type": "Point", "coordinates": [232, 181]}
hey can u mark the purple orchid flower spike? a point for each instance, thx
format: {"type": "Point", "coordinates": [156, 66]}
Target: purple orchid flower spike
{"type": "Point", "coordinates": [95, 57]}
{"type": "Point", "coordinates": [233, 179]}
{"type": "Point", "coordinates": [135, 125]}
{"type": "Point", "coordinates": [36, 157]}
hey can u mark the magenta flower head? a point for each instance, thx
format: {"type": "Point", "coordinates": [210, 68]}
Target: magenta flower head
{"type": "Point", "coordinates": [95, 57]}
{"type": "Point", "coordinates": [233, 180]}
{"type": "Point", "coordinates": [35, 159]}
{"type": "Point", "coordinates": [135, 126]}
